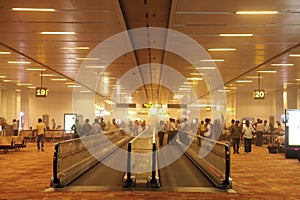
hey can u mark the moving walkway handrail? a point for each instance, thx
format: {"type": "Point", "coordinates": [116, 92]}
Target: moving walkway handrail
{"type": "Point", "coordinates": [208, 168]}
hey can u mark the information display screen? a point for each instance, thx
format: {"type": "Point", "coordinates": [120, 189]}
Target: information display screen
{"type": "Point", "coordinates": [69, 120]}
{"type": "Point", "coordinates": [292, 127]}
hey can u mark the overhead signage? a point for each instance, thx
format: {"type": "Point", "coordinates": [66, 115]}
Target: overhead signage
{"type": "Point", "coordinates": [41, 92]}
{"type": "Point", "coordinates": [259, 94]}
{"type": "Point", "coordinates": [150, 105]}
{"type": "Point", "coordinates": [126, 105]}
{"type": "Point", "coordinates": [177, 106]}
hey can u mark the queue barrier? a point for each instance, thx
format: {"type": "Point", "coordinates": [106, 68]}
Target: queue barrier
{"type": "Point", "coordinates": [75, 156]}
{"type": "Point", "coordinates": [216, 164]}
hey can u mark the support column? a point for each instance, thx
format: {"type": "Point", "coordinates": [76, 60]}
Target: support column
{"type": "Point", "coordinates": [279, 104]}
{"type": "Point", "coordinates": [292, 98]}
{"type": "Point", "coordinates": [25, 108]}
{"type": "Point", "coordinates": [11, 103]}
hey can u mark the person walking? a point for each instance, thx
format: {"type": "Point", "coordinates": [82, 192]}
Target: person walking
{"type": "Point", "coordinates": [40, 132]}
{"type": "Point", "coordinates": [87, 128]}
{"type": "Point", "coordinates": [248, 131]}
{"type": "Point", "coordinates": [235, 133]}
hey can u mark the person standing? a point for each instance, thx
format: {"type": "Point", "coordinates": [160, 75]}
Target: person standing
{"type": "Point", "coordinates": [87, 128]}
{"type": "Point", "coordinates": [53, 124]}
{"type": "Point", "coordinates": [76, 128]}
{"type": "Point", "coordinates": [235, 133]}
{"type": "Point", "coordinates": [248, 134]}
{"type": "Point", "coordinates": [15, 127]}
{"type": "Point", "coordinates": [96, 127]}
{"type": "Point", "coordinates": [162, 130]}
{"type": "Point", "coordinates": [259, 133]}
{"type": "Point", "coordinates": [40, 132]}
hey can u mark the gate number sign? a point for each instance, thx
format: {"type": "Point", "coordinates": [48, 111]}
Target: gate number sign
{"type": "Point", "coordinates": [41, 92]}
{"type": "Point", "coordinates": [259, 94]}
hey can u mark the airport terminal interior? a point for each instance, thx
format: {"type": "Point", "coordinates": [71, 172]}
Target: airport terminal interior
{"type": "Point", "coordinates": [149, 99]}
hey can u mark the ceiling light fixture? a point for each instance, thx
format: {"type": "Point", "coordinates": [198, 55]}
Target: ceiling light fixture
{"type": "Point", "coordinates": [18, 62]}
{"type": "Point", "coordinates": [256, 12]}
{"type": "Point", "coordinates": [244, 81]}
{"type": "Point", "coordinates": [48, 75]}
{"type": "Point", "coordinates": [195, 79]}
{"type": "Point", "coordinates": [74, 86]}
{"type": "Point", "coordinates": [95, 67]}
{"type": "Point", "coordinates": [2, 76]}
{"type": "Point", "coordinates": [87, 58]}
{"type": "Point", "coordinates": [266, 71]}
{"type": "Point", "coordinates": [222, 49]}
{"type": "Point", "coordinates": [212, 60]}
{"type": "Point", "coordinates": [205, 68]}
{"type": "Point", "coordinates": [57, 33]}
{"type": "Point", "coordinates": [24, 84]}
{"type": "Point", "coordinates": [34, 9]}
{"type": "Point", "coordinates": [4, 52]}
{"type": "Point", "coordinates": [76, 48]}
{"type": "Point", "coordinates": [58, 79]}
{"type": "Point", "coordinates": [236, 34]}
{"type": "Point", "coordinates": [282, 64]}
{"type": "Point", "coordinates": [294, 55]}
{"type": "Point", "coordinates": [35, 69]}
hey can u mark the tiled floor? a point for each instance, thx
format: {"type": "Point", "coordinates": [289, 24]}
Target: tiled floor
{"type": "Point", "coordinates": [258, 175]}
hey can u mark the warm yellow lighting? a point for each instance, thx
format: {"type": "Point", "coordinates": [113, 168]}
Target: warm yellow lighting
{"type": "Point", "coordinates": [254, 77]}
{"type": "Point", "coordinates": [256, 12]}
{"type": "Point", "coordinates": [282, 64]}
{"type": "Point", "coordinates": [244, 81]}
{"type": "Point", "coordinates": [74, 86]}
{"type": "Point", "coordinates": [212, 60]}
{"type": "Point", "coordinates": [76, 48]}
{"type": "Point", "coordinates": [206, 68]}
{"type": "Point", "coordinates": [31, 87]}
{"type": "Point", "coordinates": [18, 62]}
{"type": "Point", "coordinates": [95, 67]}
{"type": "Point", "coordinates": [85, 91]}
{"type": "Point", "coordinates": [24, 84]}
{"type": "Point", "coordinates": [4, 52]}
{"type": "Point", "coordinates": [7, 80]}
{"type": "Point", "coordinates": [34, 9]}
{"type": "Point", "coordinates": [266, 71]}
{"type": "Point", "coordinates": [47, 75]}
{"type": "Point", "coordinates": [87, 58]}
{"type": "Point", "coordinates": [236, 34]}
{"type": "Point", "coordinates": [194, 79]}
{"type": "Point", "coordinates": [58, 79]}
{"type": "Point", "coordinates": [58, 33]}
{"type": "Point", "coordinates": [294, 55]}
{"type": "Point", "coordinates": [2, 76]}
{"type": "Point", "coordinates": [35, 69]}
{"type": "Point", "coordinates": [222, 49]}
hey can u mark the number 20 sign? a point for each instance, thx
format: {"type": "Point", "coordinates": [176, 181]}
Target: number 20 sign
{"type": "Point", "coordinates": [259, 94]}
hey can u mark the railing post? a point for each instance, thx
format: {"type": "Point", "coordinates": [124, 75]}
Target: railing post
{"type": "Point", "coordinates": [128, 181]}
{"type": "Point", "coordinates": [153, 179]}
{"type": "Point", "coordinates": [226, 181]}
{"type": "Point", "coordinates": [55, 181]}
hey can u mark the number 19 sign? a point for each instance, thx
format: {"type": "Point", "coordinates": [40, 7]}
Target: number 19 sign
{"type": "Point", "coordinates": [41, 92]}
{"type": "Point", "coordinates": [259, 94]}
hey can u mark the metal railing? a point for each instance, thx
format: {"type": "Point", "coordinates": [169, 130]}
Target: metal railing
{"type": "Point", "coordinates": [73, 157]}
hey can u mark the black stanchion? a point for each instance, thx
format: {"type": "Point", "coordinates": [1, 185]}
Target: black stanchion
{"type": "Point", "coordinates": [153, 180]}
{"type": "Point", "coordinates": [128, 181]}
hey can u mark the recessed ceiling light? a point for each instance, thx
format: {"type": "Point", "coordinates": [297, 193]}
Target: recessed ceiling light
{"type": "Point", "coordinates": [58, 79]}
{"type": "Point", "coordinates": [35, 69]}
{"type": "Point", "coordinates": [4, 52]}
{"type": "Point", "coordinates": [236, 34]}
{"type": "Point", "coordinates": [34, 9]}
{"type": "Point", "coordinates": [256, 12]}
{"type": "Point", "coordinates": [85, 91]}
{"type": "Point", "coordinates": [195, 79]}
{"type": "Point", "coordinates": [282, 64]}
{"type": "Point", "coordinates": [48, 75]}
{"type": "Point", "coordinates": [253, 77]}
{"type": "Point", "coordinates": [205, 68]}
{"type": "Point", "coordinates": [31, 87]}
{"type": "Point", "coordinates": [87, 58]}
{"type": "Point", "coordinates": [74, 86]}
{"type": "Point", "coordinates": [76, 48]}
{"type": "Point", "coordinates": [212, 60]}
{"type": "Point", "coordinates": [95, 67]}
{"type": "Point", "coordinates": [58, 33]}
{"type": "Point", "coordinates": [69, 83]}
{"type": "Point", "coordinates": [266, 71]}
{"type": "Point", "coordinates": [7, 80]}
{"type": "Point", "coordinates": [222, 49]}
{"type": "Point", "coordinates": [24, 84]}
{"type": "Point", "coordinates": [244, 81]}
{"type": "Point", "coordinates": [294, 55]}
{"type": "Point", "coordinates": [2, 76]}
{"type": "Point", "coordinates": [18, 62]}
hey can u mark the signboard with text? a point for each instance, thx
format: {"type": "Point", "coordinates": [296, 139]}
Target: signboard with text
{"type": "Point", "coordinates": [41, 92]}
{"type": "Point", "coordinates": [259, 94]}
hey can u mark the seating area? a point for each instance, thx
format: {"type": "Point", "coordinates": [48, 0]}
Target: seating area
{"type": "Point", "coordinates": [50, 135]}
{"type": "Point", "coordinates": [11, 142]}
